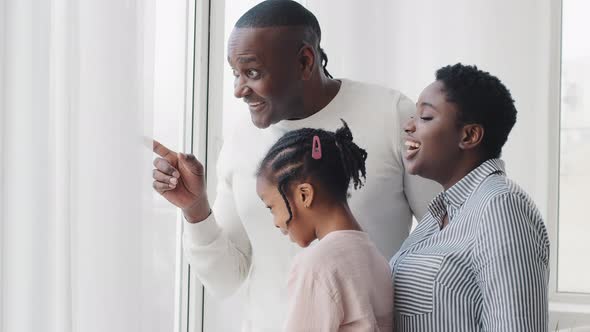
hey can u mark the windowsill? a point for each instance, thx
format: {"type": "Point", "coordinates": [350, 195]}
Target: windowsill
{"type": "Point", "coordinates": [569, 307]}
{"type": "Point", "coordinates": [569, 316]}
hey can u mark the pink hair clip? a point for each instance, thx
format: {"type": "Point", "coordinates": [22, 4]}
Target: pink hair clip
{"type": "Point", "coordinates": [316, 148]}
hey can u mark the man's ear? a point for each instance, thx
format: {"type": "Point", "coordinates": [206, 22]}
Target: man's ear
{"type": "Point", "coordinates": [306, 61]}
{"type": "Point", "coordinates": [305, 194]}
{"type": "Point", "coordinates": [471, 136]}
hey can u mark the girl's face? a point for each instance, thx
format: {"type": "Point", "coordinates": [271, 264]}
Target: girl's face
{"type": "Point", "coordinates": [300, 228]}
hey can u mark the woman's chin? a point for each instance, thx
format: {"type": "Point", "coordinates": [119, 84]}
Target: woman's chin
{"type": "Point", "coordinates": [411, 167]}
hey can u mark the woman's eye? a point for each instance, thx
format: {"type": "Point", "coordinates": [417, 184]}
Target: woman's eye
{"type": "Point", "coordinates": [253, 73]}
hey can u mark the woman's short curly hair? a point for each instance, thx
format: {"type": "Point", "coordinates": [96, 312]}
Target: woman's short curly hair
{"type": "Point", "coordinates": [481, 98]}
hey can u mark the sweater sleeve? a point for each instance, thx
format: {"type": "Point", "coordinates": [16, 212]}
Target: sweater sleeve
{"type": "Point", "coordinates": [218, 248]}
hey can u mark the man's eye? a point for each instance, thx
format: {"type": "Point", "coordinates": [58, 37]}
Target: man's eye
{"type": "Point", "coordinates": [253, 73]}
{"type": "Point", "coordinates": [235, 73]}
{"type": "Point", "coordinates": [426, 118]}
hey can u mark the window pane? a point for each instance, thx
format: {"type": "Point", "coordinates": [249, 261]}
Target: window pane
{"type": "Point", "coordinates": [159, 233]}
{"type": "Point", "coordinates": [575, 149]}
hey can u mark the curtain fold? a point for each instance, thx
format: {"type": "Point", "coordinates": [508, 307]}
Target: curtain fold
{"type": "Point", "coordinates": [75, 173]}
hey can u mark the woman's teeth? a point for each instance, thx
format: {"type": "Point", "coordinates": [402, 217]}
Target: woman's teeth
{"type": "Point", "coordinates": [412, 145]}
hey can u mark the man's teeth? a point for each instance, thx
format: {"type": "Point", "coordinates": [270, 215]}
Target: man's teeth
{"type": "Point", "coordinates": [412, 144]}
{"type": "Point", "coordinates": [255, 104]}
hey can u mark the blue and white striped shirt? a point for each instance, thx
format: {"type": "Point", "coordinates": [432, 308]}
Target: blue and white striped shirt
{"type": "Point", "coordinates": [486, 270]}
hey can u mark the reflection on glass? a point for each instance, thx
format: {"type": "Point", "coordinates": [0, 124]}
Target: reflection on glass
{"type": "Point", "coordinates": [159, 230]}
{"type": "Point", "coordinates": [574, 177]}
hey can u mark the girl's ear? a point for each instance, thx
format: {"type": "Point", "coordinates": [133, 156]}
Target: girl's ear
{"type": "Point", "coordinates": [305, 194]}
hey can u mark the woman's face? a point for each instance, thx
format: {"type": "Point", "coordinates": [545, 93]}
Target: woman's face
{"type": "Point", "coordinates": [433, 136]}
{"type": "Point", "coordinates": [300, 228]}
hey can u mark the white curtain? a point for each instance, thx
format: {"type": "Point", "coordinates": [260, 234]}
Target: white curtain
{"type": "Point", "coordinates": [79, 250]}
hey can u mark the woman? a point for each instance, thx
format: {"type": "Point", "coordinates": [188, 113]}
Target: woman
{"type": "Point", "coordinates": [478, 260]}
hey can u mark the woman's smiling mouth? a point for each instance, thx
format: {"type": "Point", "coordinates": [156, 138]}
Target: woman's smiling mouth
{"type": "Point", "coordinates": [412, 148]}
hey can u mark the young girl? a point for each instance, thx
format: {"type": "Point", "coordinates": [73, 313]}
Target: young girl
{"type": "Point", "coordinates": [341, 283]}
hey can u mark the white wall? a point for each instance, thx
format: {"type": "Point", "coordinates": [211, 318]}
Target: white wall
{"type": "Point", "coordinates": [401, 43]}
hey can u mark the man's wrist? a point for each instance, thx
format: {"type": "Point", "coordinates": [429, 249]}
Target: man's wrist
{"type": "Point", "coordinates": [197, 212]}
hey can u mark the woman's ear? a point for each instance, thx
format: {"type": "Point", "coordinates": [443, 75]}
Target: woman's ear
{"type": "Point", "coordinates": [306, 61]}
{"type": "Point", "coordinates": [305, 194]}
{"type": "Point", "coordinates": [471, 136]}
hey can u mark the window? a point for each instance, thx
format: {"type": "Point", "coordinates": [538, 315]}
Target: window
{"type": "Point", "coordinates": [573, 276]}
{"type": "Point", "coordinates": [161, 233]}
{"type": "Point", "coordinates": [567, 223]}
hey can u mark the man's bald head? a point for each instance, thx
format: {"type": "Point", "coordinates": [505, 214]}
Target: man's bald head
{"type": "Point", "coordinates": [286, 14]}
{"type": "Point", "coordinates": [281, 13]}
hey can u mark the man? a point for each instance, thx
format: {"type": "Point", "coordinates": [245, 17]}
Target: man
{"type": "Point", "coordinates": [280, 72]}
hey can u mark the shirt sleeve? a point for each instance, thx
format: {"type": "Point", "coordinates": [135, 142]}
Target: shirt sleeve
{"type": "Point", "coordinates": [218, 248]}
{"type": "Point", "coordinates": [511, 257]}
{"type": "Point", "coordinates": [418, 190]}
{"type": "Point", "coordinates": [312, 306]}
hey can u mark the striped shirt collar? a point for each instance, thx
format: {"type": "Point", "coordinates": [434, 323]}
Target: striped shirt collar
{"type": "Point", "coordinates": [453, 198]}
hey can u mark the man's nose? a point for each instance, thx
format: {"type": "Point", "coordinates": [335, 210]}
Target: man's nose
{"type": "Point", "coordinates": [241, 89]}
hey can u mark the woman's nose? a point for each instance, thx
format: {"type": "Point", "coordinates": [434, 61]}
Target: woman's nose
{"type": "Point", "coordinates": [410, 126]}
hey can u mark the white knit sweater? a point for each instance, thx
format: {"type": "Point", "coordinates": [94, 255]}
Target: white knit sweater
{"type": "Point", "coordinates": [238, 243]}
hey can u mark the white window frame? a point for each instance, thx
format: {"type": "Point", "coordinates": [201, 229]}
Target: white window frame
{"type": "Point", "coordinates": [567, 307]}
{"type": "Point", "coordinates": [190, 299]}
{"type": "Point", "coordinates": [205, 24]}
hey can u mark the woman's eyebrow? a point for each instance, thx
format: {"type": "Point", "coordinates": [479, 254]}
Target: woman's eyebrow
{"type": "Point", "coordinates": [427, 104]}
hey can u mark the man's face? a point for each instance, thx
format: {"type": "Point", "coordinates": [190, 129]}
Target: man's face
{"type": "Point", "coordinates": [267, 75]}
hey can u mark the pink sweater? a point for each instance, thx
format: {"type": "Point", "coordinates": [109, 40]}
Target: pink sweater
{"type": "Point", "coordinates": [341, 283]}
